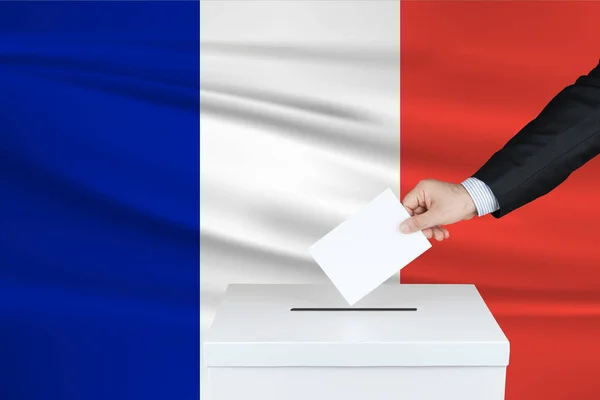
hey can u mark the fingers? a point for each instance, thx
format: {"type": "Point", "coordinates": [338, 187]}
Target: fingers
{"type": "Point", "coordinates": [411, 200]}
{"type": "Point", "coordinates": [445, 232]}
{"type": "Point", "coordinates": [440, 233]}
{"type": "Point", "coordinates": [436, 232]}
{"type": "Point", "coordinates": [422, 217]}
{"type": "Point", "coordinates": [416, 211]}
{"type": "Point", "coordinates": [419, 210]}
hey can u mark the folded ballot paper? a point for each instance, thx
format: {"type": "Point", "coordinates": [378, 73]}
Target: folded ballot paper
{"type": "Point", "coordinates": [368, 248]}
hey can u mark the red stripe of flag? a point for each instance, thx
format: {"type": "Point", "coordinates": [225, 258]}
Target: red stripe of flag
{"type": "Point", "coordinates": [473, 73]}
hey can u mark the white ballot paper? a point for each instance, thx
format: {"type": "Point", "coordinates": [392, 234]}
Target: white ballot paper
{"type": "Point", "coordinates": [368, 248]}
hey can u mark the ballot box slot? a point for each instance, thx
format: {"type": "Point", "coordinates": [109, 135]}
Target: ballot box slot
{"type": "Point", "coordinates": [353, 309]}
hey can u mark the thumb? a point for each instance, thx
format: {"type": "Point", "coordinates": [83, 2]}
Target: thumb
{"type": "Point", "coordinates": [418, 222]}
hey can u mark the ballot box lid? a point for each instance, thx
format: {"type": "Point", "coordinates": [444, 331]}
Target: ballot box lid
{"type": "Point", "coordinates": [396, 325]}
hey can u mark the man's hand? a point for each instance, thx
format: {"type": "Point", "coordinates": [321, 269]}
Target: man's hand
{"type": "Point", "coordinates": [433, 204]}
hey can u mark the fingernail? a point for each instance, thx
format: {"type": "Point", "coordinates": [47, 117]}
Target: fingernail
{"type": "Point", "coordinates": [404, 228]}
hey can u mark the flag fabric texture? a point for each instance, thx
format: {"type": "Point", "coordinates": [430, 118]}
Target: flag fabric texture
{"type": "Point", "coordinates": [308, 110]}
{"type": "Point", "coordinates": [299, 129]}
{"type": "Point", "coordinates": [99, 204]}
{"type": "Point", "coordinates": [473, 74]}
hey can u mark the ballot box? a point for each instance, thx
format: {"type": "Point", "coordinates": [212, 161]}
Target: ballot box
{"type": "Point", "coordinates": [300, 342]}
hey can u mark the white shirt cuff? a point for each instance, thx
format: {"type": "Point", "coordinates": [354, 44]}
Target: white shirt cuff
{"type": "Point", "coordinates": [483, 197]}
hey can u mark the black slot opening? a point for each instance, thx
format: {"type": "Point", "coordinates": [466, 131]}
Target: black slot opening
{"type": "Point", "coordinates": [353, 309]}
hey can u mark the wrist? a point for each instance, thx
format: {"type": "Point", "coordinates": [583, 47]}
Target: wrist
{"type": "Point", "coordinates": [481, 195]}
{"type": "Point", "coordinates": [469, 207]}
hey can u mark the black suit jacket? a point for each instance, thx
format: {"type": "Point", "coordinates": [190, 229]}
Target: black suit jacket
{"type": "Point", "coordinates": [564, 136]}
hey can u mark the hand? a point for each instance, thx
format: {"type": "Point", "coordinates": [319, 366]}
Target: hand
{"type": "Point", "coordinates": [433, 204]}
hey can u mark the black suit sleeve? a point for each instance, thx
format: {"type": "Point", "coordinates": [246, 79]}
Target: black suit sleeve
{"type": "Point", "coordinates": [563, 137]}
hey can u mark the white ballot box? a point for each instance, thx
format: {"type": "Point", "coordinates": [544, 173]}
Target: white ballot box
{"type": "Point", "coordinates": [303, 342]}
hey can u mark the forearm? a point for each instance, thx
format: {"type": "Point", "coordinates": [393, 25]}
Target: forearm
{"type": "Point", "coordinates": [546, 151]}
